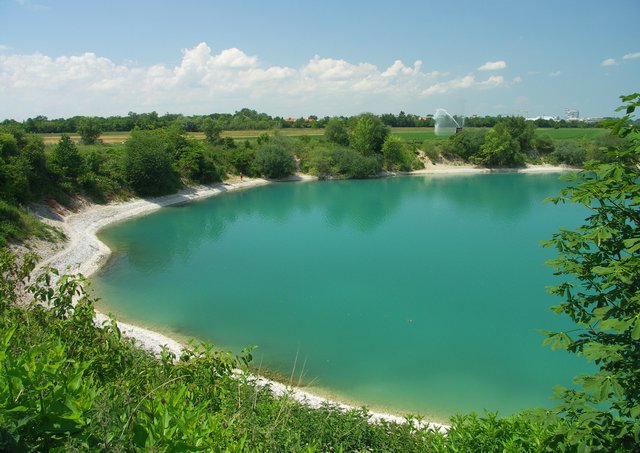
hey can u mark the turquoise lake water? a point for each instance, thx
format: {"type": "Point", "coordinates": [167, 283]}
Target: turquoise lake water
{"type": "Point", "coordinates": [419, 294]}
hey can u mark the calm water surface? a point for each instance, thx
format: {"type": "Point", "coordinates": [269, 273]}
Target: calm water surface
{"type": "Point", "coordinates": [420, 294]}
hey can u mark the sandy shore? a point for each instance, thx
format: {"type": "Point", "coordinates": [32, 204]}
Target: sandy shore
{"type": "Point", "coordinates": [84, 253]}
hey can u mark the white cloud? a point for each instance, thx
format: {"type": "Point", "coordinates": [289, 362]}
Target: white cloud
{"type": "Point", "coordinates": [517, 79]}
{"type": "Point", "coordinates": [4, 47]}
{"type": "Point", "coordinates": [631, 56]}
{"type": "Point", "coordinates": [204, 82]}
{"type": "Point", "coordinates": [468, 81]}
{"type": "Point", "coordinates": [493, 65]}
{"type": "Point", "coordinates": [608, 62]}
{"type": "Point", "coordinates": [555, 74]}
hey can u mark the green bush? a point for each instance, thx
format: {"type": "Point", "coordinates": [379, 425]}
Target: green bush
{"type": "Point", "coordinates": [367, 134]}
{"type": "Point", "coordinates": [500, 149]}
{"type": "Point", "coordinates": [275, 161]}
{"type": "Point", "coordinates": [569, 152]}
{"type": "Point", "coordinates": [397, 156]}
{"type": "Point", "coordinates": [464, 144]}
{"type": "Point", "coordinates": [147, 164]}
{"type": "Point", "coordinates": [432, 151]}
{"type": "Point", "coordinates": [543, 145]}
{"type": "Point", "coordinates": [351, 164]}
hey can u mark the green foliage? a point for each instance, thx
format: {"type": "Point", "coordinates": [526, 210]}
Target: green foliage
{"type": "Point", "coordinates": [352, 164]}
{"type": "Point", "coordinates": [432, 150]}
{"type": "Point", "coordinates": [89, 129]}
{"type": "Point", "coordinates": [491, 433]}
{"type": "Point", "coordinates": [243, 160]}
{"type": "Point", "coordinates": [37, 173]}
{"type": "Point", "coordinates": [65, 161]}
{"type": "Point", "coordinates": [147, 164]}
{"type": "Point", "coordinates": [367, 134]}
{"type": "Point", "coordinates": [196, 163]}
{"type": "Point", "coordinates": [543, 145]}
{"type": "Point", "coordinates": [8, 145]}
{"type": "Point", "coordinates": [600, 144]}
{"type": "Point", "coordinates": [465, 144]}
{"type": "Point", "coordinates": [192, 160]}
{"type": "Point", "coordinates": [396, 155]}
{"type": "Point", "coordinates": [569, 152]}
{"type": "Point", "coordinates": [572, 133]}
{"type": "Point", "coordinates": [263, 138]}
{"type": "Point", "coordinates": [212, 130]}
{"type": "Point", "coordinates": [500, 149]}
{"type": "Point", "coordinates": [336, 132]}
{"type": "Point", "coordinates": [16, 224]}
{"type": "Point", "coordinates": [275, 161]}
{"type": "Point", "coordinates": [602, 297]}
{"type": "Point", "coordinates": [521, 131]}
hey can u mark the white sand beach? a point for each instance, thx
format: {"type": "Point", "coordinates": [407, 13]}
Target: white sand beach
{"type": "Point", "coordinates": [84, 253]}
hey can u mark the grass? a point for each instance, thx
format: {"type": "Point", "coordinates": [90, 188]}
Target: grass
{"type": "Point", "coordinates": [406, 133]}
{"type": "Point", "coordinates": [416, 133]}
{"type": "Point", "coordinates": [572, 133]}
{"type": "Point", "coordinates": [121, 137]}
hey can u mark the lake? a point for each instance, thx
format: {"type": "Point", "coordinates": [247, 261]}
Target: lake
{"type": "Point", "coordinates": [421, 294]}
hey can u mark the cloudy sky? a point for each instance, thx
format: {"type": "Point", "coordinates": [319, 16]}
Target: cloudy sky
{"type": "Point", "coordinates": [61, 58]}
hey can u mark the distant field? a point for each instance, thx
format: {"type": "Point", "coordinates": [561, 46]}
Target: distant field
{"type": "Point", "coordinates": [571, 133]}
{"type": "Point", "coordinates": [119, 137]}
{"type": "Point", "coordinates": [406, 133]}
{"type": "Point", "coordinates": [415, 133]}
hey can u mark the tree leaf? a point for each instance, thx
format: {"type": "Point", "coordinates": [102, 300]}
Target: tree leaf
{"type": "Point", "coordinates": [635, 333]}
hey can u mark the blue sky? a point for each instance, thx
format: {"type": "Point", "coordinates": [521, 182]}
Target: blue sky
{"type": "Point", "coordinates": [63, 58]}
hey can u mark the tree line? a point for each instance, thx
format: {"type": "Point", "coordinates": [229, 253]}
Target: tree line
{"type": "Point", "coordinates": [513, 142]}
{"type": "Point", "coordinates": [244, 119]}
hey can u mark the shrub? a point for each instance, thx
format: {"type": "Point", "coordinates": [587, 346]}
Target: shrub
{"type": "Point", "coordinates": [500, 149]}
{"type": "Point", "coordinates": [432, 151]}
{"type": "Point", "coordinates": [367, 134]}
{"type": "Point", "coordinates": [569, 152]}
{"type": "Point", "coordinates": [351, 164]}
{"type": "Point", "coordinates": [464, 144]}
{"type": "Point", "coordinates": [148, 164]}
{"type": "Point", "coordinates": [275, 161]}
{"type": "Point", "coordinates": [543, 145]}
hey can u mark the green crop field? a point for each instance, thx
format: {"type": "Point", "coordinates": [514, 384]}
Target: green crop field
{"type": "Point", "coordinates": [415, 133]}
{"type": "Point", "coordinates": [405, 133]}
{"type": "Point", "coordinates": [571, 133]}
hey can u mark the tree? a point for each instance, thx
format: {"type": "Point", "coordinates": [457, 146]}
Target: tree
{"type": "Point", "coordinates": [212, 130]}
{"type": "Point", "coordinates": [543, 145]}
{"type": "Point", "coordinates": [396, 156]}
{"type": "Point", "coordinates": [466, 143]}
{"type": "Point", "coordinates": [275, 161]}
{"type": "Point", "coordinates": [368, 134]}
{"type": "Point", "coordinates": [8, 145]}
{"type": "Point", "coordinates": [148, 164]}
{"type": "Point", "coordinates": [89, 130]}
{"type": "Point", "coordinates": [569, 152]}
{"type": "Point", "coordinates": [521, 130]}
{"type": "Point", "coordinates": [602, 296]}
{"type": "Point", "coordinates": [65, 159]}
{"type": "Point", "coordinates": [336, 132]}
{"type": "Point", "coordinates": [500, 149]}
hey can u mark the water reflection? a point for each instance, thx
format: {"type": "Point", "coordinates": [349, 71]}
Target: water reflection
{"type": "Point", "coordinates": [416, 270]}
{"type": "Point", "coordinates": [150, 242]}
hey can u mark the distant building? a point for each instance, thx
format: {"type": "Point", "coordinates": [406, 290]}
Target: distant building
{"type": "Point", "coordinates": [543, 117]}
{"type": "Point", "coordinates": [571, 115]}
{"type": "Point", "coordinates": [306, 120]}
